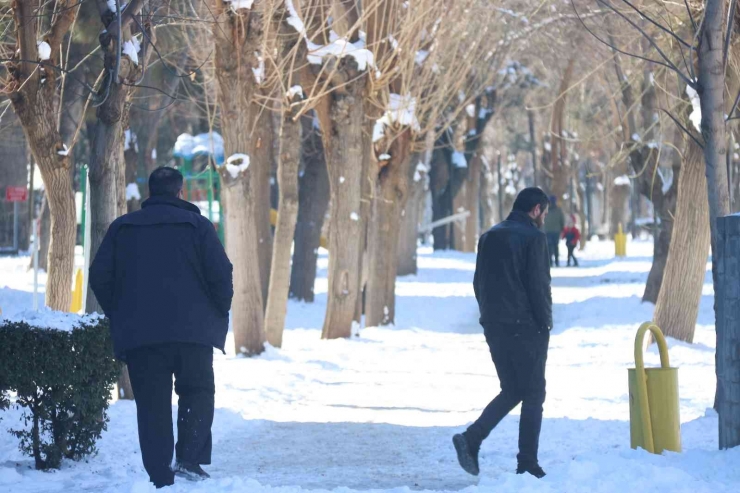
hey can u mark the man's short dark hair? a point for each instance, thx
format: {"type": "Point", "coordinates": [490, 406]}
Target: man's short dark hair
{"type": "Point", "coordinates": [529, 198]}
{"type": "Point", "coordinates": [165, 181]}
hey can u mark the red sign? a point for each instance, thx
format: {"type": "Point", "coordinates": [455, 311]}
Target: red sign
{"type": "Point", "coordinates": [16, 194]}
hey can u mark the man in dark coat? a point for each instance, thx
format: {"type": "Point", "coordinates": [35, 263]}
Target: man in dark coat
{"type": "Point", "coordinates": [512, 286]}
{"type": "Point", "coordinates": [163, 279]}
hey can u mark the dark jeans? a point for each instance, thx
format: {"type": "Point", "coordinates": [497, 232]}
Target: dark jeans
{"type": "Point", "coordinates": [520, 364]}
{"type": "Point", "coordinates": [571, 249]}
{"type": "Point", "coordinates": [151, 369]}
{"type": "Point", "coordinates": [553, 247]}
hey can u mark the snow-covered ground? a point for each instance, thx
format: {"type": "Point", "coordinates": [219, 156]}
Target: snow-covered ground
{"type": "Point", "coordinates": [378, 412]}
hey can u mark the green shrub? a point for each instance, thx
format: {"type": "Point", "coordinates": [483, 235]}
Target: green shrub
{"type": "Point", "coordinates": [62, 378]}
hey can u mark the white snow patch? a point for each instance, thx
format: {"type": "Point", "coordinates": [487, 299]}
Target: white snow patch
{"type": "Point", "coordinates": [53, 320]}
{"type": "Point", "coordinates": [341, 179]}
{"type": "Point", "coordinates": [421, 57]}
{"type": "Point", "coordinates": [259, 71]}
{"type": "Point", "coordinates": [470, 109]}
{"type": "Point", "coordinates": [623, 180]}
{"type": "Point", "coordinates": [695, 115]}
{"type": "Point", "coordinates": [548, 147]}
{"type": "Point", "coordinates": [421, 168]}
{"type": "Point", "coordinates": [294, 19]}
{"type": "Point", "coordinates": [458, 160]}
{"type": "Point", "coordinates": [295, 91]}
{"type": "Point", "coordinates": [341, 47]}
{"type": "Point", "coordinates": [63, 151]}
{"type": "Point", "coordinates": [240, 4]}
{"type": "Point", "coordinates": [354, 216]}
{"type": "Point", "coordinates": [236, 164]}
{"type": "Point", "coordinates": [44, 50]}
{"type": "Point", "coordinates": [132, 192]}
{"type": "Point", "coordinates": [131, 50]}
{"type": "Point", "coordinates": [154, 154]}
{"type": "Point", "coordinates": [384, 157]}
{"type": "Point", "coordinates": [130, 140]}
{"type": "Point", "coordinates": [636, 137]}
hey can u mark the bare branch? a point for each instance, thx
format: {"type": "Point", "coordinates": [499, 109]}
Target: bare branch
{"type": "Point", "coordinates": [683, 128]}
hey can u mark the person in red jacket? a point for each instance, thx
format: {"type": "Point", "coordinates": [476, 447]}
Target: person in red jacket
{"type": "Point", "coordinates": [572, 236]}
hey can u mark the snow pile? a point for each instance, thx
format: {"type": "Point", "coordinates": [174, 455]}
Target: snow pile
{"type": "Point", "coordinates": [421, 57]}
{"type": "Point", "coordinates": [236, 164]}
{"type": "Point", "coordinates": [695, 115]}
{"type": "Point", "coordinates": [470, 109]}
{"type": "Point", "coordinates": [132, 192]}
{"type": "Point", "coordinates": [384, 157]}
{"type": "Point", "coordinates": [52, 320]}
{"type": "Point", "coordinates": [64, 151]}
{"type": "Point", "coordinates": [354, 216]}
{"type": "Point", "coordinates": [458, 160]}
{"type": "Point", "coordinates": [44, 50]}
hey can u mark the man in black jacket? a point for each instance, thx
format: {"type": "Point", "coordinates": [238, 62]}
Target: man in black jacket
{"type": "Point", "coordinates": [512, 286]}
{"type": "Point", "coordinates": [163, 279]}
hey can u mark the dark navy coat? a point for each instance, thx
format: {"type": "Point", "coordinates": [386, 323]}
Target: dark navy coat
{"type": "Point", "coordinates": [161, 275]}
{"type": "Point", "coordinates": [512, 277]}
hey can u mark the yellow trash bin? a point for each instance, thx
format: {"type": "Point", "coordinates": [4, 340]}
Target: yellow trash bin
{"type": "Point", "coordinates": [620, 243]}
{"type": "Point", "coordinates": [77, 293]}
{"type": "Point", "coordinates": [655, 423]}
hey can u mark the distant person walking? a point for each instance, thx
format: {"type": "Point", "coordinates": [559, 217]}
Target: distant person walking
{"type": "Point", "coordinates": [512, 286]}
{"type": "Point", "coordinates": [163, 279]}
{"type": "Point", "coordinates": [572, 236]}
{"type": "Point", "coordinates": [554, 225]}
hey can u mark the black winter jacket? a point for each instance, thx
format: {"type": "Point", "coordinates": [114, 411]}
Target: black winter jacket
{"type": "Point", "coordinates": [161, 275]}
{"type": "Point", "coordinates": [512, 276]}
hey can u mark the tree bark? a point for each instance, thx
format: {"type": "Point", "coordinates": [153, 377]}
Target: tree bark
{"type": "Point", "coordinates": [391, 192]}
{"type": "Point", "coordinates": [237, 38]}
{"type": "Point", "coordinates": [678, 302]}
{"type": "Point", "coordinates": [288, 164]}
{"type": "Point", "coordinates": [558, 154]}
{"type": "Point", "coordinates": [343, 142]}
{"type": "Point", "coordinates": [410, 218]}
{"type": "Point", "coordinates": [262, 158]}
{"type": "Point", "coordinates": [36, 101]}
{"type": "Point", "coordinates": [14, 172]}
{"type": "Point", "coordinates": [313, 198]}
{"type": "Point", "coordinates": [440, 187]}
{"type": "Point", "coordinates": [277, 300]}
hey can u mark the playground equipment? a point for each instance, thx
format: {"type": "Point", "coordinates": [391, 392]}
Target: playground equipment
{"type": "Point", "coordinates": [655, 423]}
{"type": "Point", "coordinates": [620, 243]}
{"type": "Point", "coordinates": [201, 180]}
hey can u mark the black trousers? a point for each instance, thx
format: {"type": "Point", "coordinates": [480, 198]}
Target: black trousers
{"type": "Point", "coordinates": [553, 247]}
{"type": "Point", "coordinates": [151, 369]}
{"type": "Point", "coordinates": [571, 249]}
{"type": "Point", "coordinates": [520, 363]}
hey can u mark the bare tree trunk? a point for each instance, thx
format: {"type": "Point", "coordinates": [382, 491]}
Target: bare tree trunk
{"type": "Point", "coordinates": [618, 197]}
{"type": "Point", "coordinates": [264, 135]}
{"type": "Point", "coordinates": [410, 218]}
{"type": "Point", "coordinates": [391, 192]}
{"type": "Point", "coordinates": [343, 140]}
{"type": "Point", "coordinates": [487, 196]}
{"type": "Point", "coordinates": [237, 40]}
{"type": "Point", "coordinates": [440, 188]}
{"type": "Point", "coordinates": [472, 203]}
{"type": "Point", "coordinates": [313, 198]}
{"type": "Point", "coordinates": [288, 164]}
{"type": "Point", "coordinates": [277, 300]}
{"type": "Point", "coordinates": [37, 106]}
{"type": "Point", "coordinates": [678, 302]}
{"type": "Point", "coordinates": [559, 155]}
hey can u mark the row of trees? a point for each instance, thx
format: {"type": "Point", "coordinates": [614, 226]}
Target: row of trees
{"type": "Point", "coordinates": [362, 111]}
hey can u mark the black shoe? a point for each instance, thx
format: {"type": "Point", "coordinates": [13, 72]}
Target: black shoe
{"type": "Point", "coordinates": [534, 470]}
{"type": "Point", "coordinates": [467, 454]}
{"type": "Point", "coordinates": [191, 472]}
